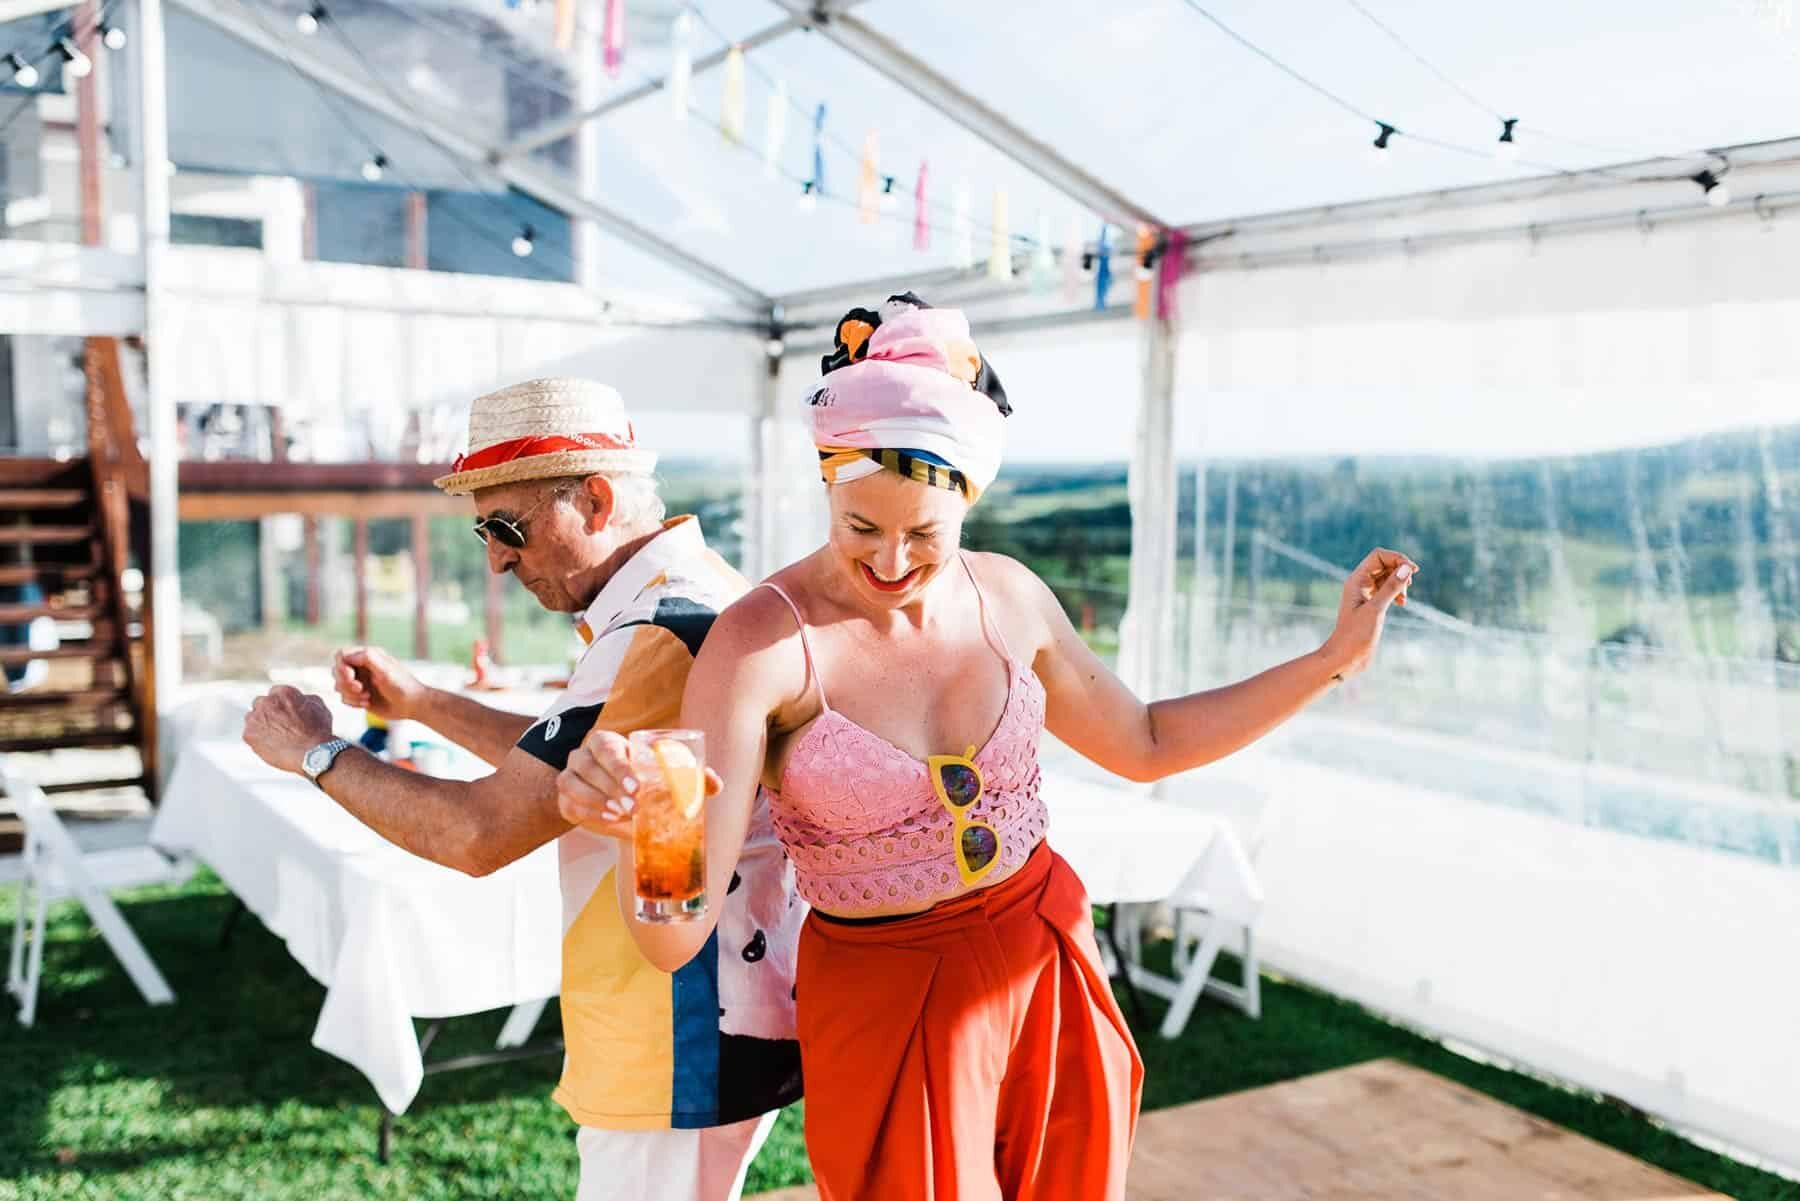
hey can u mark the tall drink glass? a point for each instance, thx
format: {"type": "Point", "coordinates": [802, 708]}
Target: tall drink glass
{"type": "Point", "coordinates": [669, 824]}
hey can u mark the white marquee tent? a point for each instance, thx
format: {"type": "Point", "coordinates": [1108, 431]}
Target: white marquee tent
{"type": "Point", "coordinates": [1591, 295]}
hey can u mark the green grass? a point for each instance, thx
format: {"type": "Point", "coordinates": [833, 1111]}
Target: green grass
{"type": "Point", "coordinates": [221, 1095]}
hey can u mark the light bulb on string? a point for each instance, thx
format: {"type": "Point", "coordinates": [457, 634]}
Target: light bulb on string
{"type": "Point", "coordinates": [373, 167]}
{"type": "Point", "coordinates": [113, 37]}
{"type": "Point", "coordinates": [1717, 194]}
{"type": "Point", "coordinates": [524, 242]}
{"type": "Point", "coordinates": [75, 62]}
{"type": "Point", "coordinates": [308, 21]}
{"type": "Point", "coordinates": [1378, 154]}
{"type": "Point", "coordinates": [24, 74]}
{"type": "Point", "coordinates": [890, 199]}
{"type": "Point", "coordinates": [809, 196]}
{"type": "Point", "coordinates": [1506, 149]}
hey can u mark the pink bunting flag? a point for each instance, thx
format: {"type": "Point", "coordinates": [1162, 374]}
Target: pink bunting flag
{"type": "Point", "coordinates": [613, 39]}
{"type": "Point", "coordinates": [921, 227]}
{"type": "Point", "coordinates": [1170, 268]}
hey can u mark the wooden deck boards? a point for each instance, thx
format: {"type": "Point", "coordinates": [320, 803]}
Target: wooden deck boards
{"type": "Point", "coordinates": [1379, 1131]}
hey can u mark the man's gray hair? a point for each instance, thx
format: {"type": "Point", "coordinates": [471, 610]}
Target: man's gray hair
{"type": "Point", "coordinates": [637, 505]}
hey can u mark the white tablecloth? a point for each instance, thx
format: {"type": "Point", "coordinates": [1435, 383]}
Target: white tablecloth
{"type": "Point", "coordinates": [1129, 848]}
{"type": "Point", "coordinates": [390, 936]}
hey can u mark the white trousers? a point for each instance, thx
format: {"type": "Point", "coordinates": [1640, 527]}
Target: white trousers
{"type": "Point", "coordinates": [669, 1165]}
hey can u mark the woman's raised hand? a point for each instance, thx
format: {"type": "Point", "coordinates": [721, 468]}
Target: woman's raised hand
{"type": "Point", "coordinates": [595, 788]}
{"type": "Point", "coordinates": [1378, 581]}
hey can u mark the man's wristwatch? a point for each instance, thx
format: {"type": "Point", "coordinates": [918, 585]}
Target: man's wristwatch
{"type": "Point", "coordinates": [315, 762]}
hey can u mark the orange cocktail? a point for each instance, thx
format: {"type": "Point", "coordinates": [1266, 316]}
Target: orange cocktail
{"type": "Point", "coordinates": [669, 824]}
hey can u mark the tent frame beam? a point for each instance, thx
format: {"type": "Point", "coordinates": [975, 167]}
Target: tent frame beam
{"type": "Point", "coordinates": [530, 179]}
{"type": "Point", "coordinates": [1633, 176]}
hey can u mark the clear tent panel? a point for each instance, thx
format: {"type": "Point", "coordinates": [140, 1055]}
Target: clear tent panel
{"type": "Point", "coordinates": [1194, 127]}
{"type": "Point", "coordinates": [1578, 748]}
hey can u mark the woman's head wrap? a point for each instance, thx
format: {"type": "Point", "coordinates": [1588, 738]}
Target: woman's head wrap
{"type": "Point", "coordinates": [905, 389]}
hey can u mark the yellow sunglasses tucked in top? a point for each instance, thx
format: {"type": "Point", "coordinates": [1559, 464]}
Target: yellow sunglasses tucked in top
{"type": "Point", "coordinates": [959, 784]}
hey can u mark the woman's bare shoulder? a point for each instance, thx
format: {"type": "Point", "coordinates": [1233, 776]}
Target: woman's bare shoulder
{"type": "Point", "coordinates": [757, 620]}
{"type": "Point", "coordinates": [1021, 603]}
{"type": "Point", "coordinates": [1008, 579]}
{"type": "Point", "coordinates": [761, 621]}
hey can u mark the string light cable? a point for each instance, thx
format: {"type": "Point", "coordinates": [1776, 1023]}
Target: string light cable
{"type": "Point", "coordinates": [1507, 124]}
{"type": "Point", "coordinates": [1385, 130]}
{"type": "Point", "coordinates": [526, 238]}
{"type": "Point", "coordinates": [360, 136]}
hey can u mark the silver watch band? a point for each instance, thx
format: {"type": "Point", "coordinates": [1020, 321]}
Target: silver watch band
{"type": "Point", "coordinates": [323, 756]}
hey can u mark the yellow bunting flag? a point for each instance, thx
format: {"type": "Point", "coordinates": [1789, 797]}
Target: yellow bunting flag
{"type": "Point", "coordinates": [731, 108]}
{"type": "Point", "coordinates": [1000, 248]}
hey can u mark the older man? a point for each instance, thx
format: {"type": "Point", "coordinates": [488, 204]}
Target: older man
{"type": "Point", "coordinates": [673, 1079]}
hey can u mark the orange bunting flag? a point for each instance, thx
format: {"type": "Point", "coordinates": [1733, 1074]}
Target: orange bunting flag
{"type": "Point", "coordinates": [1146, 241]}
{"type": "Point", "coordinates": [564, 36]}
{"type": "Point", "coordinates": [868, 186]}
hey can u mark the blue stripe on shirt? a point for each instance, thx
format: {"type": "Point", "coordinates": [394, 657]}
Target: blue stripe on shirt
{"type": "Point", "coordinates": [695, 1005]}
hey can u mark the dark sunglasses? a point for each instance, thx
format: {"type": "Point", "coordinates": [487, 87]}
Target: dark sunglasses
{"type": "Point", "coordinates": [510, 531]}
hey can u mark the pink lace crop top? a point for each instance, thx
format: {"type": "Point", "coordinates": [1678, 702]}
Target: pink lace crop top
{"type": "Point", "coordinates": [862, 823]}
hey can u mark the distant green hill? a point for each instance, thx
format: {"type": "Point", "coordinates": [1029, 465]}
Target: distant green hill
{"type": "Point", "coordinates": [1709, 527]}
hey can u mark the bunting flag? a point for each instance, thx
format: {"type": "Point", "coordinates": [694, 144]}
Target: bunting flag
{"type": "Point", "coordinates": [999, 264]}
{"type": "Point", "coordinates": [1102, 265]}
{"type": "Point", "coordinates": [564, 36]}
{"type": "Point", "coordinates": [681, 62]}
{"type": "Point", "coordinates": [775, 133]}
{"type": "Point", "coordinates": [1071, 260]}
{"type": "Point", "coordinates": [921, 226]}
{"type": "Point", "coordinates": [1169, 269]}
{"type": "Point", "coordinates": [818, 176]}
{"type": "Point", "coordinates": [962, 230]}
{"type": "Point", "coordinates": [613, 39]}
{"type": "Point", "coordinates": [1043, 258]}
{"type": "Point", "coordinates": [868, 183]}
{"type": "Point", "coordinates": [731, 106]}
{"type": "Point", "coordinates": [1146, 241]}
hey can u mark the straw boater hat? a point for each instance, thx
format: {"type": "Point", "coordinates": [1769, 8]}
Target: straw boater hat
{"type": "Point", "coordinates": [545, 428]}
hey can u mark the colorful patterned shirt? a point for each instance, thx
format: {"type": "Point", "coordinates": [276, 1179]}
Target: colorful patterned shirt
{"type": "Point", "coordinates": [714, 1042]}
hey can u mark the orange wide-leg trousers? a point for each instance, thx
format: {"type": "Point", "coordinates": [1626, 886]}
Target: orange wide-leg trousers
{"type": "Point", "coordinates": [972, 1053]}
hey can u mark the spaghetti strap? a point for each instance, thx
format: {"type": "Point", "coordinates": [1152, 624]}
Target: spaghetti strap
{"type": "Point", "coordinates": [812, 671]}
{"type": "Point", "coordinates": [981, 599]}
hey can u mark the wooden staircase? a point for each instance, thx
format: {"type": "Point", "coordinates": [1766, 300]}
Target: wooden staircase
{"type": "Point", "coordinates": [69, 532]}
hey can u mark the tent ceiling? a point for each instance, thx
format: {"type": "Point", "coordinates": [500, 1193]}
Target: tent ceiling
{"type": "Point", "coordinates": [1172, 111]}
{"type": "Point", "coordinates": [1143, 96]}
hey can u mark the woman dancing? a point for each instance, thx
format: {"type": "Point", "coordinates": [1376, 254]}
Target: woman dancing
{"type": "Point", "coordinates": [959, 1037]}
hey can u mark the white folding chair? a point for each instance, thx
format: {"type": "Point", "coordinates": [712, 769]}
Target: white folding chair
{"type": "Point", "coordinates": [56, 868]}
{"type": "Point", "coordinates": [1200, 932]}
